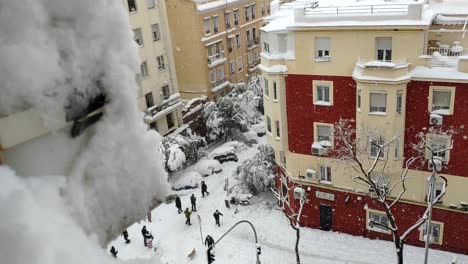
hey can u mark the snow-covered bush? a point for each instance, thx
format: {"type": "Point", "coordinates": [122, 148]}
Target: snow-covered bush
{"type": "Point", "coordinates": [258, 174]}
{"type": "Point", "coordinates": [181, 150]}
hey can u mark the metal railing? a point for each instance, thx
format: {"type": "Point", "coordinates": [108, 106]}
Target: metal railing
{"type": "Point", "coordinates": [218, 82]}
{"type": "Point", "coordinates": [399, 62]}
{"type": "Point", "coordinates": [166, 103]}
{"type": "Point", "coordinates": [444, 51]}
{"type": "Point", "coordinates": [216, 57]}
{"type": "Point", "coordinates": [358, 10]}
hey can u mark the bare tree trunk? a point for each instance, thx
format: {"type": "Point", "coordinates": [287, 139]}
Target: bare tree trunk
{"type": "Point", "coordinates": [400, 253]}
{"type": "Point", "coordinates": [298, 237]}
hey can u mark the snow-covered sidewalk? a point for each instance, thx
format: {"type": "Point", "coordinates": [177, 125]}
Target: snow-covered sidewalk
{"type": "Point", "coordinates": [175, 240]}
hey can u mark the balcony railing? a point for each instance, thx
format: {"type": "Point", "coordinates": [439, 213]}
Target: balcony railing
{"type": "Point", "coordinates": [254, 63]}
{"type": "Point", "coordinates": [381, 64]}
{"type": "Point", "coordinates": [166, 103]}
{"type": "Point", "coordinates": [445, 51]}
{"type": "Point", "coordinates": [215, 57]}
{"type": "Point", "coordinates": [218, 82]}
{"type": "Point", "coordinates": [358, 10]}
{"type": "Point", "coordinates": [252, 42]}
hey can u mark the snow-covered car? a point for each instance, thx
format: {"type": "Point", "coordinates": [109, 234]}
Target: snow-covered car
{"type": "Point", "coordinates": [226, 152]}
{"type": "Point", "coordinates": [259, 129]}
{"type": "Point", "coordinates": [226, 157]}
{"type": "Point", "coordinates": [208, 167]}
{"type": "Point", "coordinates": [189, 180]}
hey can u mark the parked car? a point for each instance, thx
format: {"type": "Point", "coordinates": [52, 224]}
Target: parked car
{"type": "Point", "coordinates": [189, 181]}
{"type": "Point", "coordinates": [207, 167]}
{"type": "Point", "coordinates": [226, 157]}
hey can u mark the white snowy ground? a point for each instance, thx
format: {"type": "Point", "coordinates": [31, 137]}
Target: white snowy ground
{"type": "Point", "coordinates": [174, 240]}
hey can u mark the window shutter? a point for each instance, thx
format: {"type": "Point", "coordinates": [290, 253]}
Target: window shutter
{"type": "Point", "coordinates": [378, 100]}
{"type": "Point", "coordinates": [322, 43]}
{"type": "Point", "coordinates": [384, 43]}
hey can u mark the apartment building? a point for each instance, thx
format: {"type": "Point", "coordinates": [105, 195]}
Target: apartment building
{"type": "Point", "coordinates": [216, 43]}
{"type": "Point", "coordinates": [159, 97]}
{"type": "Point", "coordinates": [390, 68]}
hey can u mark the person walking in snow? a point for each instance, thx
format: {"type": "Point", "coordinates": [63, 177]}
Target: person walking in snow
{"type": "Point", "coordinates": [187, 215]}
{"type": "Point", "coordinates": [209, 241]}
{"type": "Point", "coordinates": [125, 235]}
{"type": "Point", "coordinates": [114, 252]}
{"type": "Point", "coordinates": [178, 204]}
{"type": "Point", "coordinates": [204, 189]}
{"type": "Point", "coordinates": [216, 216]}
{"type": "Point", "coordinates": [145, 234]}
{"type": "Point", "coordinates": [193, 201]}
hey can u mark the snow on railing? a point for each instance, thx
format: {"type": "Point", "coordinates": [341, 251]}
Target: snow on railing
{"type": "Point", "coordinates": [359, 10]}
{"type": "Point", "coordinates": [445, 51]}
{"type": "Point", "coordinates": [381, 64]}
{"type": "Point", "coordinates": [216, 57]}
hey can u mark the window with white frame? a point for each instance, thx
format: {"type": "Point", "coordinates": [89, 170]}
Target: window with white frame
{"type": "Point", "coordinates": [377, 221]}
{"type": "Point", "coordinates": [149, 100]}
{"type": "Point", "coordinates": [247, 13]}
{"type": "Point", "coordinates": [155, 29]}
{"type": "Point", "coordinates": [277, 123]}
{"type": "Point", "coordinates": [358, 100]}
{"type": "Point", "coordinates": [212, 76]}
{"type": "Point", "coordinates": [236, 17]}
{"type": "Point", "coordinates": [376, 144]}
{"type": "Point", "coordinates": [268, 124]}
{"type": "Point", "coordinates": [144, 70]}
{"type": "Point", "coordinates": [215, 24]}
{"type": "Point", "coordinates": [322, 49]}
{"type": "Point", "coordinates": [220, 73]}
{"type": "Point", "coordinates": [439, 145]}
{"type": "Point", "coordinates": [138, 36]}
{"type": "Point", "coordinates": [253, 10]}
{"type": "Point", "coordinates": [399, 102]}
{"type": "Point", "coordinates": [436, 232]}
{"type": "Point", "coordinates": [441, 100]}
{"type": "Point", "coordinates": [150, 3]}
{"type": "Point", "coordinates": [232, 67]}
{"type": "Point", "coordinates": [161, 64]}
{"type": "Point", "coordinates": [238, 42]}
{"type": "Point", "coordinates": [381, 181]}
{"type": "Point", "coordinates": [229, 44]}
{"type": "Point", "coordinates": [384, 49]}
{"type": "Point", "coordinates": [132, 7]}
{"type": "Point", "coordinates": [166, 93]}
{"type": "Point", "coordinates": [240, 64]}
{"type": "Point", "coordinates": [323, 93]}
{"type": "Point", "coordinates": [323, 134]}
{"type": "Point", "coordinates": [378, 103]}
{"type": "Point", "coordinates": [227, 19]}
{"type": "Point", "coordinates": [275, 92]}
{"type": "Point", "coordinates": [170, 121]}
{"type": "Point", "coordinates": [207, 25]}
{"type": "Point", "coordinates": [267, 89]}
{"type": "Point", "coordinates": [325, 174]}
{"type": "Point", "coordinates": [266, 47]}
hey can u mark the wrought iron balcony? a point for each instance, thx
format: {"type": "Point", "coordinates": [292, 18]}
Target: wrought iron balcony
{"type": "Point", "coordinates": [216, 57]}
{"type": "Point", "coordinates": [165, 104]}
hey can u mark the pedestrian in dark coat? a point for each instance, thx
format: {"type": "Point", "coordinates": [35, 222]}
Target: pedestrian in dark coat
{"type": "Point", "coordinates": [209, 241]}
{"type": "Point", "coordinates": [216, 216]}
{"type": "Point", "coordinates": [114, 252]}
{"type": "Point", "coordinates": [204, 189]}
{"type": "Point", "coordinates": [178, 204]}
{"type": "Point", "coordinates": [187, 215]}
{"type": "Point", "coordinates": [193, 201]}
{"type": "Point", "coordinates": [145, 234]}
{"type": "Point", "coordinates": [125, 235]}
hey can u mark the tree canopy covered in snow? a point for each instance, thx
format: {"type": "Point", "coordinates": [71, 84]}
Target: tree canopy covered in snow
{"type": "Point", "coordinates": [182, 150]}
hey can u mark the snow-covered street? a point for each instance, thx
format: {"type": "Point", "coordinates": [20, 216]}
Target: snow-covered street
{"type": "Point", "coordinates": [175, 240]}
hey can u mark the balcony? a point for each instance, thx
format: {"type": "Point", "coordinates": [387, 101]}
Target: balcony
{"type": "Point", "coordinates": [383, 71]}
{"type": "Point", "coordinates": [253, 65]}
{"type": "Point", "coordinates": [252, 43]}
{"type": "Point", "coordinates": [443, 55]}
{"type": "Point", "coordinates": [218, 82]}
{"type": "Point", "coordinates": [166, 106]}
{"type": "Point", "coordinates": [216, 59]}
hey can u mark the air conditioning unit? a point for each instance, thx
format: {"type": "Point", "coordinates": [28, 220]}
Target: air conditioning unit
{"type": "Point", "coordinates": [311, 173]}
{"type": "Point", "coordinates": [437, 163]}
{"type": "Point", "coordinates": [436, 120]}
{"type": "Point", "coordinates": [318, 149]}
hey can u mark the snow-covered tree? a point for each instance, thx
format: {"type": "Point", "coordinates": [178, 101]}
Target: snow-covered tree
{"type": "Point", "coordinates": [181, 150]}
{"type": "Point", "coordinates": [258, 173]}
{"type": "Point", "coordinates": [368, 156]}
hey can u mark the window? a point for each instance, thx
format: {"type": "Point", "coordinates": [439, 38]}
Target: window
{"type": "Point", "coordinates": [375, 146]}
{"type": "Point", "coordinates": [322, 49]}
{"type": "Point", "coordinates": [441, 100]}
{"type": "Point", "coordinates": [165, 91]}
{"type": "Point", "coordinates": [275, 93]}
{"type": "Point", "coordinates": [161, 65]}
{"type": "Point", "coordinates": [229, 44]}
{"type": "Point", "coordinates": [240, 64]}
{"type": "Point", "coordinates": [138, 37]}
{"type": "Point", "coordinates": [227, 19]}
{"type": "Point", "coordinates": [266, 47]}
{"type": "Point", "coordinates": [384, 49]}
{"type": "Point", "coordinates": [212, 76]}
{"type": "Point", "coordinates": [232, 67]}
{"type": "Point", "coordinates": [170, 121]}
{"type": "Point", "coordinates": [247, 13]}
{"type": "Point", "coordinates": [247, 35]}
{"type": "Point", "coordinates": [150, 3]}
{"type": "Point", "coordinates": [323, 93]}
{"type": "Point", "coordinates": [236, 17]}
{"type": "Point", "coordinates": [215, 24]}
{"type": "Point", "coordinates": [149, 100]}
{"type": "Point", "coordinates": [268, 124]}
{"type": "Point", "coordinates": [358, 100]}
{"type": "Point", "coordinates": [154, 126]}
{"type": "Point", "coordinates": [325, 174]}
{"type": "Point", "coordinates": [253, 7]}
{"type": "Point", "coordinates": [277, 123]}
{"type": "Point", "coordinates": [438, 144]}
{"type": "Point", "coordinates": [238, 42]}
{"type": "Point", "coordinates": [156, 32]}
{"type": "Point", "coordinates": [207, 26]}
{"type": "Point", "coordinates": [437, 190]}
{"type": "Point", "coordinates": [436, 233]}
{"type": "Point", "coordinates": [324, 133]}
{"type": "Point", "coordinates": [220, 73]}
{"type": "Point", "coordinates": [399, 102]}
{"type": "Point", "coordinates": [376, 221]}
{"type": "Point", "coordinates": [143, 70]}
{"type": "Point", "coordinates": [397, 148]}
{"type": "Point", "coordinates": [381, 181]}
{"type": "Point", "coordinates": [378, 103]}
{"type": "Point", "coordinates": [263, 8]}
{"type": "Point", "coordinates": [132, 5]}
{"type": "Point", "coordinates": [267, 90]}
{"type": "Point", "coordinates": [254, 35]}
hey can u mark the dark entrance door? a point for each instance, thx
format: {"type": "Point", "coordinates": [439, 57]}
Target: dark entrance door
{"type": "Point", "coordinates": [325, 217]}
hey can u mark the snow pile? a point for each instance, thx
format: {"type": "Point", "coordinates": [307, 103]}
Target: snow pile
{"type": "Point", "coordinates": [176, 158]}
{"type": "Point", "coordinates": [54, 53]}
{"type": "Point", "coordinates": [208, 167]}
{"type": "Point", "coordinates": [189, 181]}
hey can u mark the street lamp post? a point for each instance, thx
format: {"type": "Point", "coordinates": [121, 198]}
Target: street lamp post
{"type": "Point", "coordinates": [257, 251]}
